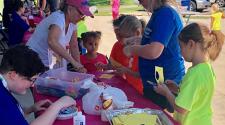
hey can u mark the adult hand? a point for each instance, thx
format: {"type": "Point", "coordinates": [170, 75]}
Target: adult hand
{"type": "Point", "coordinates": [161, 89]}
{"type": "Point", "coordinates": [127, 51]}
{"type": "Point", "coordinates": [135, 40]}
{"type": "Point", "coordinates": [31, 29]}
{"type": "Point", "coordinates": [82, 70]}
{"type": "Point", "coordinates": [41, 105]}
{"type": "Point", "coordinates": [172, 86]}
{"type": "Point", "coordinates": [79, 67]}
{"type": "Point", "coordinates": [64, 102]}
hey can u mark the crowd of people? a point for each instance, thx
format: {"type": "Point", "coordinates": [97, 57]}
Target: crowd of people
{"type": "Point", "coordinates": [140, 48]}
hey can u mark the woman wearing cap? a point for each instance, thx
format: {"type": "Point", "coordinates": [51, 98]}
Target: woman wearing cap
{"type": "Point", "coordinates": [159, 48]}
{"type": "Point", "coordinates": [57, 31]}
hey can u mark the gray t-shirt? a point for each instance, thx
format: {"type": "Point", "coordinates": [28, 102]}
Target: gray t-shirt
{"type": "Point", "coordinates": [38, 41]}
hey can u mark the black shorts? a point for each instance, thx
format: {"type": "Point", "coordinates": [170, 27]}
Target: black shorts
{"type": "Point", "coordinates": [158, 99]}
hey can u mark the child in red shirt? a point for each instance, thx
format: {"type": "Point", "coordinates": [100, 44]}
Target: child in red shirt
{"type": "Point", "coordinates": [130, 26]}
{"type": "Point", "coordinates": [117, 57]}
{"type": "Point", "coordinates": [92, 58]}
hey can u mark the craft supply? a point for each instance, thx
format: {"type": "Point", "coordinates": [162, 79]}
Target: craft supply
{"type": "Point", "coordinates": [107, 104]}
{"type": "Point", "coordinates": [135, 119]}
{"type": "Point", "coordinates": [79, 119]}
{"type": "Point", "coordinates": [152, 83]}
{"type": "Point", "coordinates": [159, 76]}
{"type": "Point", "coordinates": [106, 76]}
{"type": "Point", "coordinates": [67, 113]}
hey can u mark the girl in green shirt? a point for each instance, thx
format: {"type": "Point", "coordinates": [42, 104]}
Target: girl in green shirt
{"type": "Point", "coordinates": [193, 103]}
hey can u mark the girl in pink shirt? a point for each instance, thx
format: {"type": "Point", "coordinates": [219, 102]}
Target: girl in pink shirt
{"type": "Point", "coordinates": [115, 8]}
{"type": "Point", "coordinates": [92, 58]}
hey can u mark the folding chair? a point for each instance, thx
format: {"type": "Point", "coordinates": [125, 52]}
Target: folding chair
{"type": "Point", "coordinates": [3, 38]}
{"type": "Point", "coordinates": [3, 41]}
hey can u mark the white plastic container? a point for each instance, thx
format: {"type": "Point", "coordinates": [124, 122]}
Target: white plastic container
{"type": "Point", "coordinates": [79, 119]}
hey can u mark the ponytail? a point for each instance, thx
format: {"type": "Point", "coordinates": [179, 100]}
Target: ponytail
{"type": "Point", "coordinates": [211, 41]}
{"type": "Point", "coordinates": [214, 46]}
{"type": "Point", "coordinates": [143, 25]}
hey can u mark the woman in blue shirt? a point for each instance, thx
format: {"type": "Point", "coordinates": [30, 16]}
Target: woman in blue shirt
{"type": "Point", "coordinates": [159, 47]}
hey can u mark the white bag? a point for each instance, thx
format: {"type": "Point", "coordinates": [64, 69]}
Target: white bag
{"type": "Point", "coordinates": [92, 103]}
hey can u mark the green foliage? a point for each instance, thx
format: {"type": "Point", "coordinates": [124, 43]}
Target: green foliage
{"type": "Point", "coordinates": [99, 2]}
{"type": "Point", "coordinates": [107, 2]}
{"type": "Point", "coordinates": [124, 9]}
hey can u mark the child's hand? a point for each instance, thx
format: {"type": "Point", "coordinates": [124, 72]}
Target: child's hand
{"type": "Point", "coordinates": [82, 70]}
{"type": "Point", "coordinates": [24, 18]}
{"type": "Point", "coordinates": [41, 105]}
{"type": "Point", "coordinates": [172, 86]}
{"type": "Point", "coordinates": [161, 89]}
{"type": "Point", "coordinates": [64, 102]}
{"type": "Point", "coordinates": [100, 66]}
{"type": "Point", "coordinates": [121, 70]}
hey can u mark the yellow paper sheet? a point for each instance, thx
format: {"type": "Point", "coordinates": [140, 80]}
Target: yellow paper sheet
{"type": "Point", "coordinates": [135, 119]}
{"type": "Point", "coordinates": [106, 76]}
{"type": "Point", "coordinates": [159, 71]}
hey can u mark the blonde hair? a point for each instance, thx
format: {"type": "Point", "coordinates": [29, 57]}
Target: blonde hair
{"type": "Point", "coordinates": [211, 42]}
{"type": "Point", "coordinates": [215, 8]}
{"type": "Point", "coordinates": [160, 3]}
{"type": "Point", "coordinates": [130, 25]}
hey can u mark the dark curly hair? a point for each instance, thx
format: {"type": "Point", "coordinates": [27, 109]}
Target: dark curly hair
{"type": "Point", "coordinates": [23, 61]}
{"type": "Point", "coordinates": [91, 34]}
{"type": "Point", "coordinates": [18, 4]}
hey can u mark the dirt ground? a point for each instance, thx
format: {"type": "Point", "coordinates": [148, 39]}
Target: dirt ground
{"type": "Point", "coordinates": [104, 24]}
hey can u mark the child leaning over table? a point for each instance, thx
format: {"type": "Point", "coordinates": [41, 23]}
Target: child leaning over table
{"type": "Point", "coordinates": [129, 27]}
{"type": "Point", "coordinates": [16, 75]}
{"type": "Point", "coordinates": [92, 58]}
{"type": "Point", "coordinates": [18, 25]}
{"type": "Point", "coordinates": [216, 17]}
{"type": "Point", "coordinates": [117, 57]}
{"type": "Point", "coordinates": [193, 103]}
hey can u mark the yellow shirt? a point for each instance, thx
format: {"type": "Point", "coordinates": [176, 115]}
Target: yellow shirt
{"type": "Point", "coordinates": [195, 96]}
{"type": "Point", "coordinates": [217, 20]}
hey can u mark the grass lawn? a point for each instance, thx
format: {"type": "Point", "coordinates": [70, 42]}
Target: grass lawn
{"type": "Point", "coordinates": [127, 9]}
{"type": "Point", "coordinates": [1, 8]}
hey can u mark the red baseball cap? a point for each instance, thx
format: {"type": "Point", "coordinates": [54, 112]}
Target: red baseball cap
{"type": "Point", "coordinates": [82, 5]}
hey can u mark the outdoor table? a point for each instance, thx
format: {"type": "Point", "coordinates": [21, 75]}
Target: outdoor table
{"type": "Point", "coordinates": [116, 81]}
